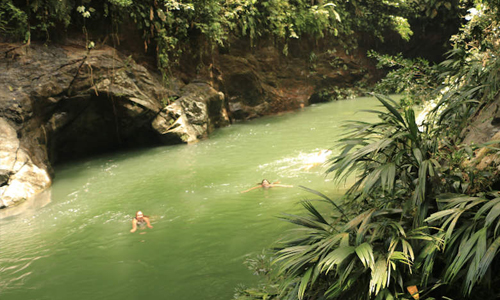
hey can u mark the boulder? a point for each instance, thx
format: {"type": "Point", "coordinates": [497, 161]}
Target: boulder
{"type": "Point", "coordinates": [20, 177]}
{"type": "Point", "coordinates": [198, 112]}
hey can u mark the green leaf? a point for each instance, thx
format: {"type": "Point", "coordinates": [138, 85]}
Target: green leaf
{"type": "Point", "coordinates": [379, 276]}
{"type": "Point", "coordinates": [384, 100]}
{"type": "Point", "coordinates": [410, 119]}
{"type": "Point", "coordinates": [473, 274]}
{"type": "Point", "coordinates": [304, 282]}
{"type": "Point", "coordinates": [440, 214]}
{"type": "Point", "coordinates": [365, 254]}
{"type": "Point", "coordinates": [319, 218]}
{"type": "Point", "coordinates": [388, 176]}
{"type": "Point", "coordinates": [487, 258]}
{"type": "Point", "coordinates": [400, 257]}
{"type": "Point", "coordinates": [336, 257]}
{"type": "Point", "coordinates": [465, 252]}
{"type": "Point", "coordinates": [492, 215]}
{"type": "Point", "coordinates": [326, 198]}
{"type": "Point", "coordinates": [418, 155]}
{"type": "Point", "coordinates": [357, 220]}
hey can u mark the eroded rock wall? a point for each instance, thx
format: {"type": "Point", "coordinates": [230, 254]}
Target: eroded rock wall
{"type": "Point", "coordinates": [260, 80]}
{"type": "Point", "coordinates": [63, 102]}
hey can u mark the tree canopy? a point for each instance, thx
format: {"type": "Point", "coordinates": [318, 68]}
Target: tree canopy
{"type": "Point", "coordinates": [167, 26]}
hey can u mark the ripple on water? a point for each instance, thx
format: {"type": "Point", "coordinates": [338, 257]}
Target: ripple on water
{"type": "Point", "coordinates": [295, 166]}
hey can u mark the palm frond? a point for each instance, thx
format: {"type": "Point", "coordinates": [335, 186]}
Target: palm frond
{"type": "Point", "coordinates": [327, 199]}
{"type": "Point", "coordinates": [365, 254]}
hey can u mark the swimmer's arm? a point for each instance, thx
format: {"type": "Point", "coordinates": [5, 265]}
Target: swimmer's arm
{"type": "Point", "coordinates": [255, 187]}
{"type": "Point", "coordinates": [147, 222]}
{"type": "Point", "coordinates": [282, 185]}
{"type": "Point", "coordinates": [134, 225]}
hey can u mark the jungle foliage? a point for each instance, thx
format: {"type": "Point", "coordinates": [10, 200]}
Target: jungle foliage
{"type": "Point", "coordinates": [169, 26]}
{"type": "Point", "coordinates": [421, 219]}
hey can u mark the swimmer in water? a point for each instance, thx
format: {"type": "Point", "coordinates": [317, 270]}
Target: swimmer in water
{"type": "Point", "coordinates": [140, 220]}
{"type": "Point", "coordinates": [265, 184]}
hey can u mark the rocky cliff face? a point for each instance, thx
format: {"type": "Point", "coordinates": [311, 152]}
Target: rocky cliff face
{"type": "Point", "coordinates": [261, 80]}
{"type": "Point", "coordinates": [61, 102]}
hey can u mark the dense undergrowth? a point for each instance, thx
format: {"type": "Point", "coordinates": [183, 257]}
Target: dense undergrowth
{"type": "Point", "coordinates": [171, 27]}
{"type": "Point", "coordinates": [422, 219]}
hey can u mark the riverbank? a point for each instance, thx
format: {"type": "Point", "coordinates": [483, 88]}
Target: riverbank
{"type": "Point", "coordinates": [62, 102]}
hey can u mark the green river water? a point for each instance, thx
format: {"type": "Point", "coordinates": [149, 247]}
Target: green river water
{"type": "Point", "coordinates": [79, 245]}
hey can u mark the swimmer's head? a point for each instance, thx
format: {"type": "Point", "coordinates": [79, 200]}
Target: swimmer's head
{"type": "Point", "coordinates": [265, 182]}
{"type": "Point", "coordinates": [139, 214]}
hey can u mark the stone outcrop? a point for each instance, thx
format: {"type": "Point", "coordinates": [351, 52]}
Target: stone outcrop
{"type": "Point", "coordinates": [60, 103]}
{"type": "Point", "coordinates": [188, 118]}
{"type": "Point", "coordinates": [20, 178]}
{"type": "Point", "coordinates": [262, 81]}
